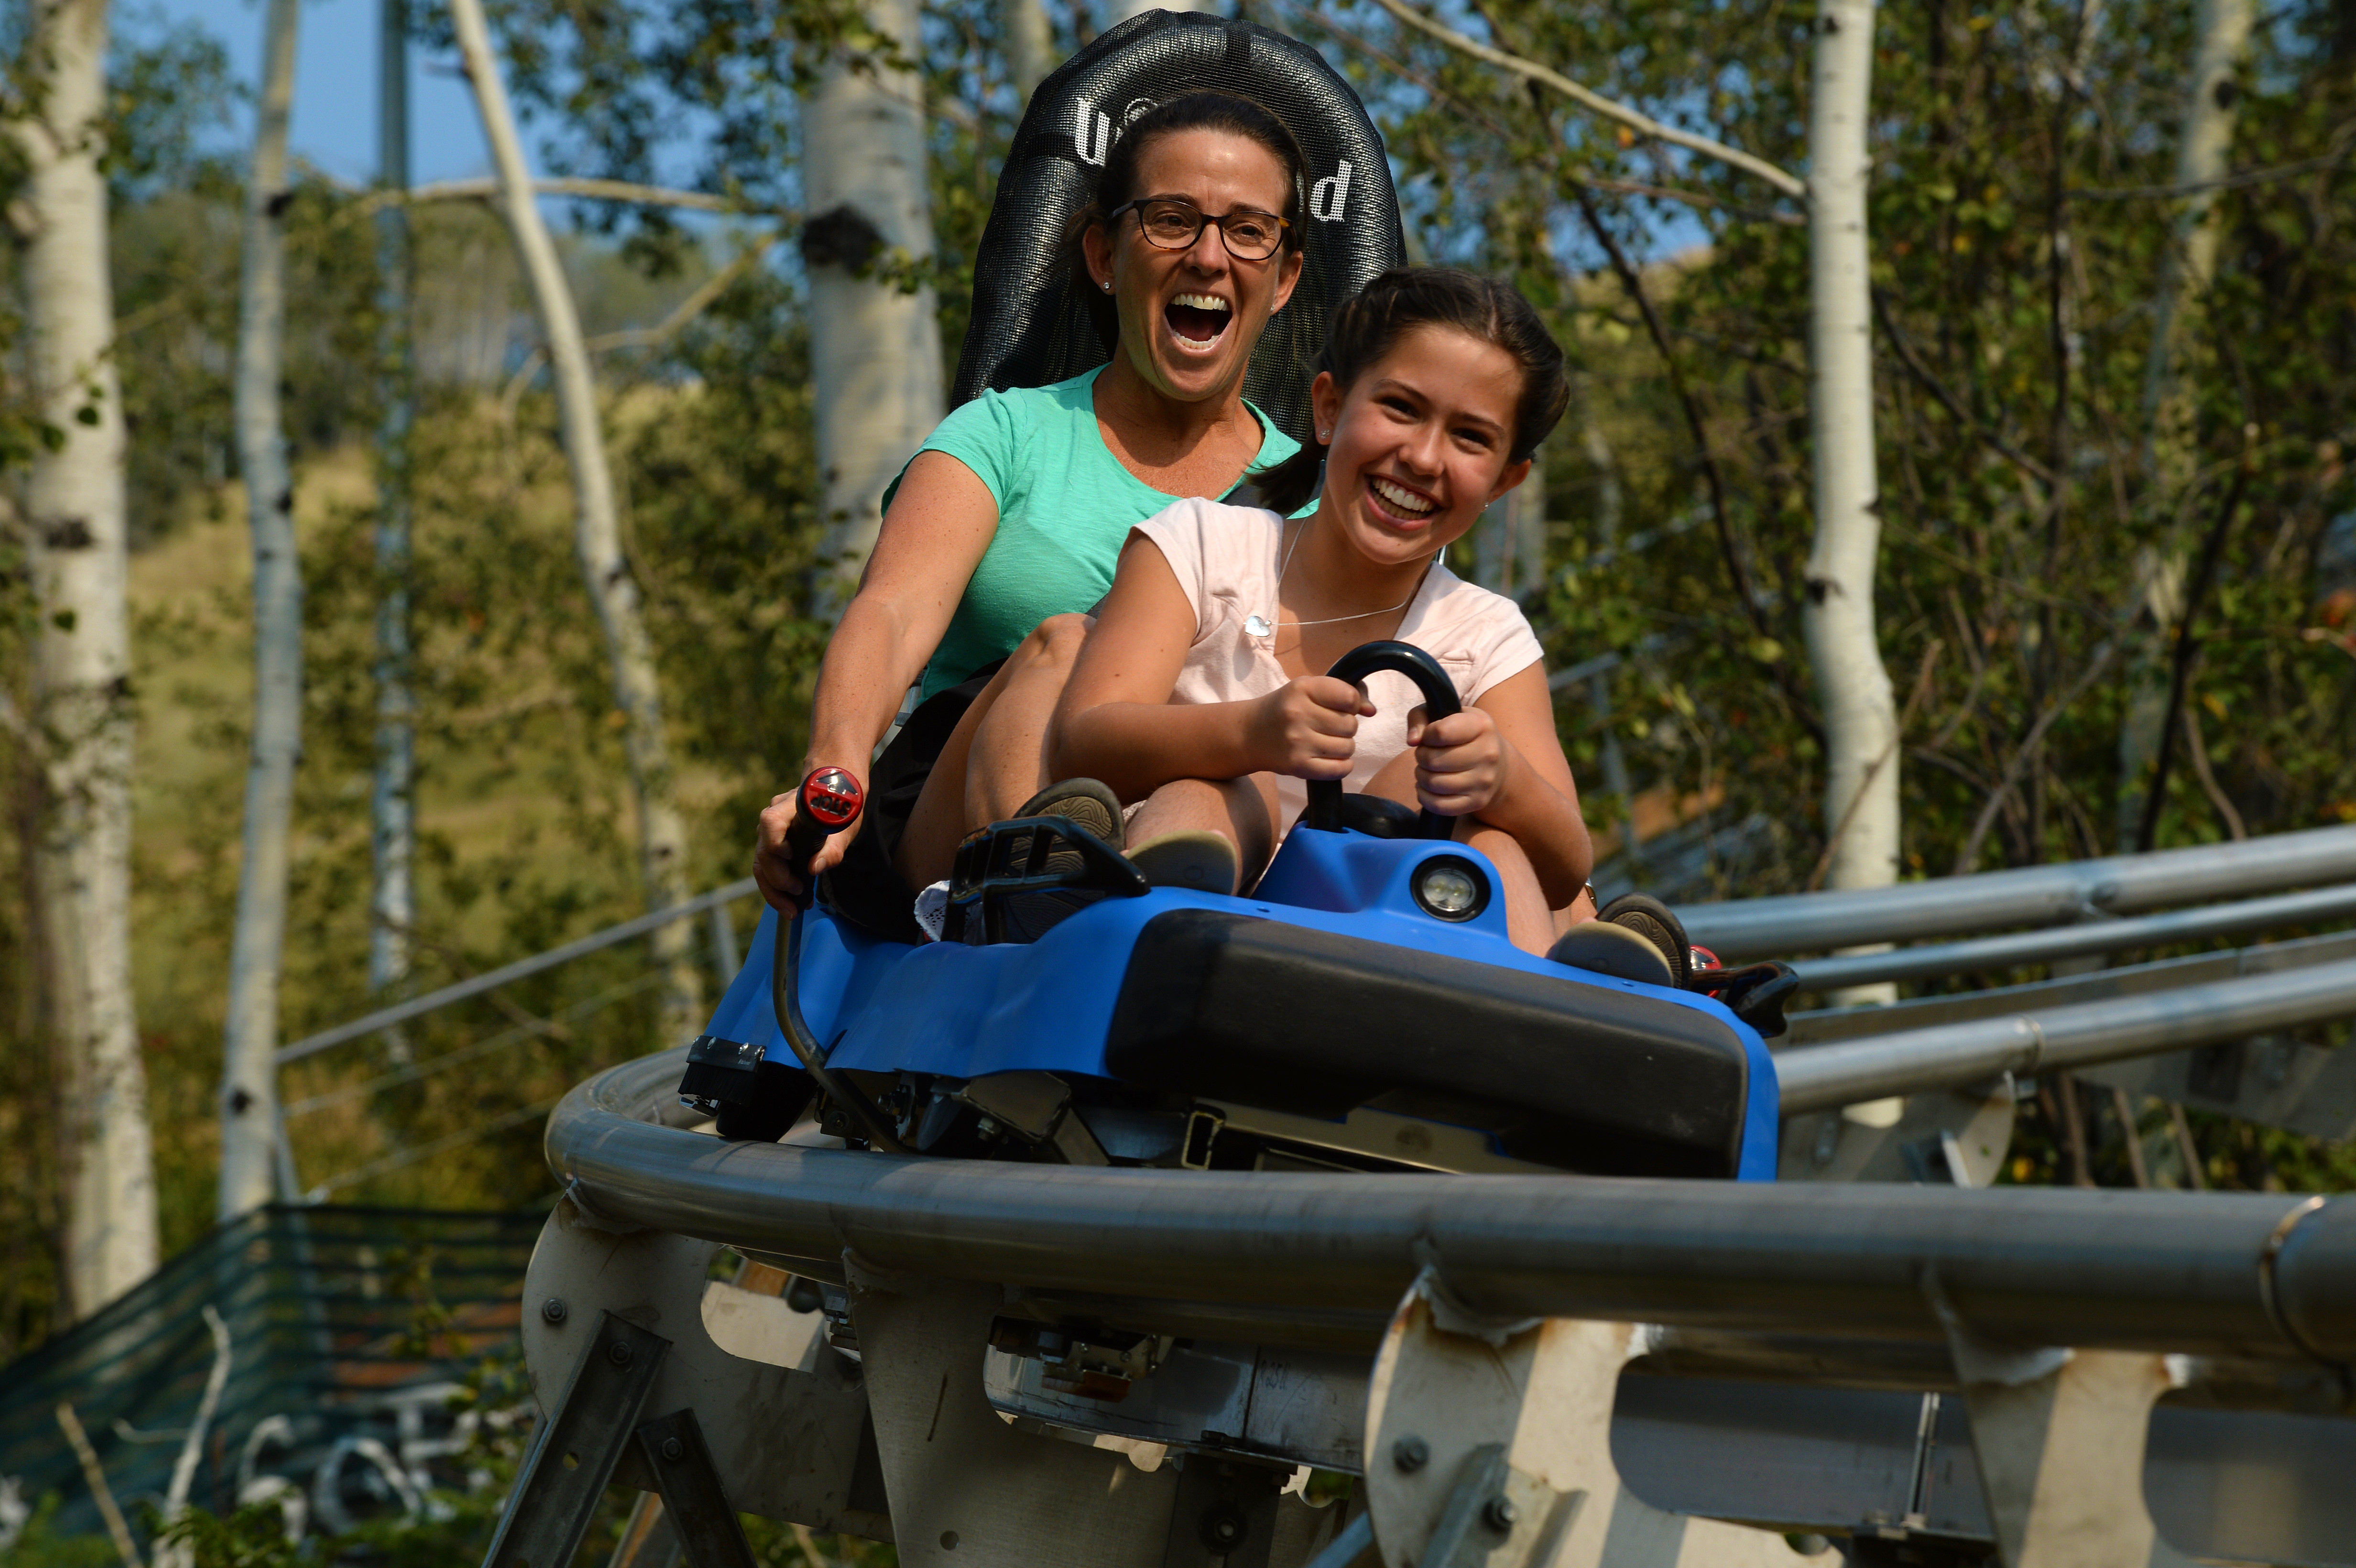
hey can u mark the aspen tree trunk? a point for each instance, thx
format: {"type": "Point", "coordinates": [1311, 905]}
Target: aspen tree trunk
{"type": "Point", "coordinates": [249, 1075]}
{"type": "Point", "coordinates": [597, 537]}
{"type": "Point", "coordinates": [2212, 105]}
{"type": "Point", "coordinates": [875, 351]}
{"type": "Point", "coordinates": [392, 836]}
{"type": "Point", "coordinates": [1861, 716]}
{"type": "Point", "coordinates": [1509, 544]}
{"type": "Point", "coordinates": [74, 502]}
{"type": "Point", "coordinates": [1030, 47]}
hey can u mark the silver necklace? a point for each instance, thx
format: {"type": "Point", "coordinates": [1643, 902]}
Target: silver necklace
{"type": "Point", "coordinates": [1256, 625]}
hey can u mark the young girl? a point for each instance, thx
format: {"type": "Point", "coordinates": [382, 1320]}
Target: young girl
{"type": "Point", "coordinates": [1200, 698]}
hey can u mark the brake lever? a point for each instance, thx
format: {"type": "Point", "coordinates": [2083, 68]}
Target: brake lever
{"type": "Point", "coordinates": [1755, 993]}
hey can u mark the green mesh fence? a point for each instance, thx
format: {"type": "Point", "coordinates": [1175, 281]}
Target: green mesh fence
{"type": "Point", "coordinates": [349, 1328]}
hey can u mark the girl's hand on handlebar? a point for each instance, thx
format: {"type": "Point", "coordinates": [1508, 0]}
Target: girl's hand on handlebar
{"type": "Point", "coordinates": [783, 882]}
{"type": "Point", "coordinates": [1460, 762]}
{"type": "Point", "coordinates": [1306, 728]}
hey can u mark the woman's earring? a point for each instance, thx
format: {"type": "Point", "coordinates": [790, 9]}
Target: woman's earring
{"type": "Point", "coordinates": [1108, 288]}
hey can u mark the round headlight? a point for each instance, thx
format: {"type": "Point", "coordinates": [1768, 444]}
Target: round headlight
{"type": "Point", "coordinates": [1451, 887]}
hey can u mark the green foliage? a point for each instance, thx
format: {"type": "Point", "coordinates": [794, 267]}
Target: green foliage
{"type": "Point", "coordinates": [39, 1544]}
{"type": "Point", "coordinates": [252, 1537]}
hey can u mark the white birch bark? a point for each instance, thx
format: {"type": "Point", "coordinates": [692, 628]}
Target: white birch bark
{"type": "Point", "coordinates": [597, 537]}
{"type": "Point", "coordinates": [2212, 105]}
{"type": "Point", "coordinates": [249, 1075]}
{"type": "Point", "coordinates": [393, 826]}
{"type": "Point", "coordinates": [875, 351]}
{"type": "Point", "coordinates": [2187, 267]}
{"type": "Point", "coordinates": [74, 503]}
{"type": "Point", "coordinates": [1030, 47]}
{"type": "Point", "coordinates": [1861, 715]}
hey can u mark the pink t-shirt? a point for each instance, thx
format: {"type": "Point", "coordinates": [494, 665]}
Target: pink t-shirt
{"type": "Point", "coordinates": [1226, 558]}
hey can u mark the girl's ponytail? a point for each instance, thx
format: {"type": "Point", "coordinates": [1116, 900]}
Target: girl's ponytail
{"type": "Point", "coordinates": [1293, 483]}
{"type": "Point", "coordinates": [1366, 328]}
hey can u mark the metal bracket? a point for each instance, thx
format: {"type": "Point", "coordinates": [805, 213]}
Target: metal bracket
{"type": "Point", "coordinates": [1495, 1451]}
{"type": "Point", "coordinates": [1942, 1135]}
{"type": "Point", "coordinates": [967, 1490]}
{"type": "Point", "coordinates": [2061, 1437]}
{"type": "Point", "coordinates": [785, 1443]}
{"type": "Point", "coordinates": [578, 1445]}
{"type": "Point", "coordinates": [698, 1510]}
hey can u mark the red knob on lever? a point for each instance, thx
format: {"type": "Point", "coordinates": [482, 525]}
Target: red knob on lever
{"type": "Point", "coordinates": [829, 800]}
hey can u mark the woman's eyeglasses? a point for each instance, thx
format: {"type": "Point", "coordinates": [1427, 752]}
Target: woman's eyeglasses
{"type": "Point", "coordinates": [1169, 224]}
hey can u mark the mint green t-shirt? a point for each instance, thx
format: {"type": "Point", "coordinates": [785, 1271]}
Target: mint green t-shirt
{"type": "Point", "coordinates": [1064, 508]}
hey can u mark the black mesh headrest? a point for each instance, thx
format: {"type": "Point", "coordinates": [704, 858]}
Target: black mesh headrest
{"type": "Point", "coordinates": [1030, 329]}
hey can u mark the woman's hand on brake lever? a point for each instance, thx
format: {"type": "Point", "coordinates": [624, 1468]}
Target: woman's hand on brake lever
{"type": "Point", "coordinates": [1307, 728]}
{"type": "Point", "coordinates": [784, 880]}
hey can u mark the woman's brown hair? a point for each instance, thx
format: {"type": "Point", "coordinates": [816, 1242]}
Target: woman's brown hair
{"type": "Point", "coordinates": [1227, 111]}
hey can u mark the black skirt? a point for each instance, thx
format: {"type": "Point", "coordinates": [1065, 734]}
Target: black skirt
{"type": "Point", "coordinates": [866, 888]}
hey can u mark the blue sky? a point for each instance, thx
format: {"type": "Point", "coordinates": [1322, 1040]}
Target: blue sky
{"type": "Point", "coordinates": [335, 86]}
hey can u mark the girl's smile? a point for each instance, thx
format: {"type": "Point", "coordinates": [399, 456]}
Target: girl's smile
{"type": "Point", "coordinates": [1418, 444]}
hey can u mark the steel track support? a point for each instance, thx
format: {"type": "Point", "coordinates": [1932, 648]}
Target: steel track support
{"type": "Point", "coordinates": [579, 1442]}
{"type": "Point", "coordinates": [583, 1440]}
{"type": "Point", "coordinates": [2061, 1438]}
{"type": "Point", "coordinates": [782, 1442]}
{"type": "Point", "coordinates": [1489, 1446]}
{"type": "Point", "coordinates": [967, 1490]}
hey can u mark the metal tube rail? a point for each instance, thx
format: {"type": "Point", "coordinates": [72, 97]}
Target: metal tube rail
{"type": "Point", "coordinates": [1741, 930]}
{"type": "Point", "coordinates": [506, 974]}
{"type": "Point", "coordinates": [2218, 1274]}
{"type": "Point", "coordinates": [1818, 1078]}
{"type": "Point", "coordinates": [2095, 937]}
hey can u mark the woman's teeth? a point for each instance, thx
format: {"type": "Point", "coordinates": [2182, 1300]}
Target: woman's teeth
{"type": "Point", "coordinates": [1400, 500]}
{"type": "Point", "coordinates": [1197, 320]}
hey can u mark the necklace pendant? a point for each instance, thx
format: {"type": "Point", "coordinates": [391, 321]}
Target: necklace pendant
{"type": "Point", "coordinates": [1256, 626]}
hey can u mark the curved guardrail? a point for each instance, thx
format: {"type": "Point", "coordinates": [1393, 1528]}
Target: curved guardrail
{"type": "Point", "coordinates": [1743, 930]}
{"type": "Point", "coordinates": [2247, 1274]}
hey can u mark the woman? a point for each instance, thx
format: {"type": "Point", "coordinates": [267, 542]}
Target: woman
{"type": "Point", "coordinates": [1008, 522]}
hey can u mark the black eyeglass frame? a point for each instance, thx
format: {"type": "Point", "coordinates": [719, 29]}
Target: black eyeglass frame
{"type": "Point", "coordinates": [1202, 219]}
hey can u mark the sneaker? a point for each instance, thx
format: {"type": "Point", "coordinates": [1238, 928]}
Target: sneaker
{"type": "Point", "coordinates": [1089, 803]}
{"type": "Point", "coordinates": [1195, 858]}
{"type": "Point", "coordinates": [1603, 947]}
{"type": "Point", "coordinates": [1093, 808]}
{"type": "Point", "coordinates": [1649, 918]}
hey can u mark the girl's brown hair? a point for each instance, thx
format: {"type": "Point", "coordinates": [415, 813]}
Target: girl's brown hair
{"type": "Point", "coordinates": [1369, 326]}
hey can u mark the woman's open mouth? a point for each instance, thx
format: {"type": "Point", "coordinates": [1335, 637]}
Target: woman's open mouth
{"type": "Point", "coordinates": [1398, 504]}
{"type": "Point", "coordinates": [1198, 320]}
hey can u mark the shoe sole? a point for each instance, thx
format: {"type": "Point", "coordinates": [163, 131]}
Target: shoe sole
{"type": "Point", "coordinates": [1087, 806]}
{"type": "Point", "coordinates": [1191, 858]}
{"type": "Point", "coordinates": [1607, 947]}
{"type": "Point", "coordinates": [1656, 922]}
{"type": "Point", "coordinates": [1086, 803]}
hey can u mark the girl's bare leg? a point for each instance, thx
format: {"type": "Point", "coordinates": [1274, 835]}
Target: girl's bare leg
{"type": "Point", "coordinates": [1241, 810]}
{"type": "Point", "coordinates": [996, 757]}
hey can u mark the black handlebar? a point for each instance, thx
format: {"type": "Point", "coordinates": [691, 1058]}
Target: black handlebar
{"type": "Point", "coordinates": [1440, 700]}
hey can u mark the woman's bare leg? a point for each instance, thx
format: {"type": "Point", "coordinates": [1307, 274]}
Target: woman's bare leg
{"type": "Point", "coordinates": [1240, 810]}
{"type": "Point", "coordinates": [996, 757]}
